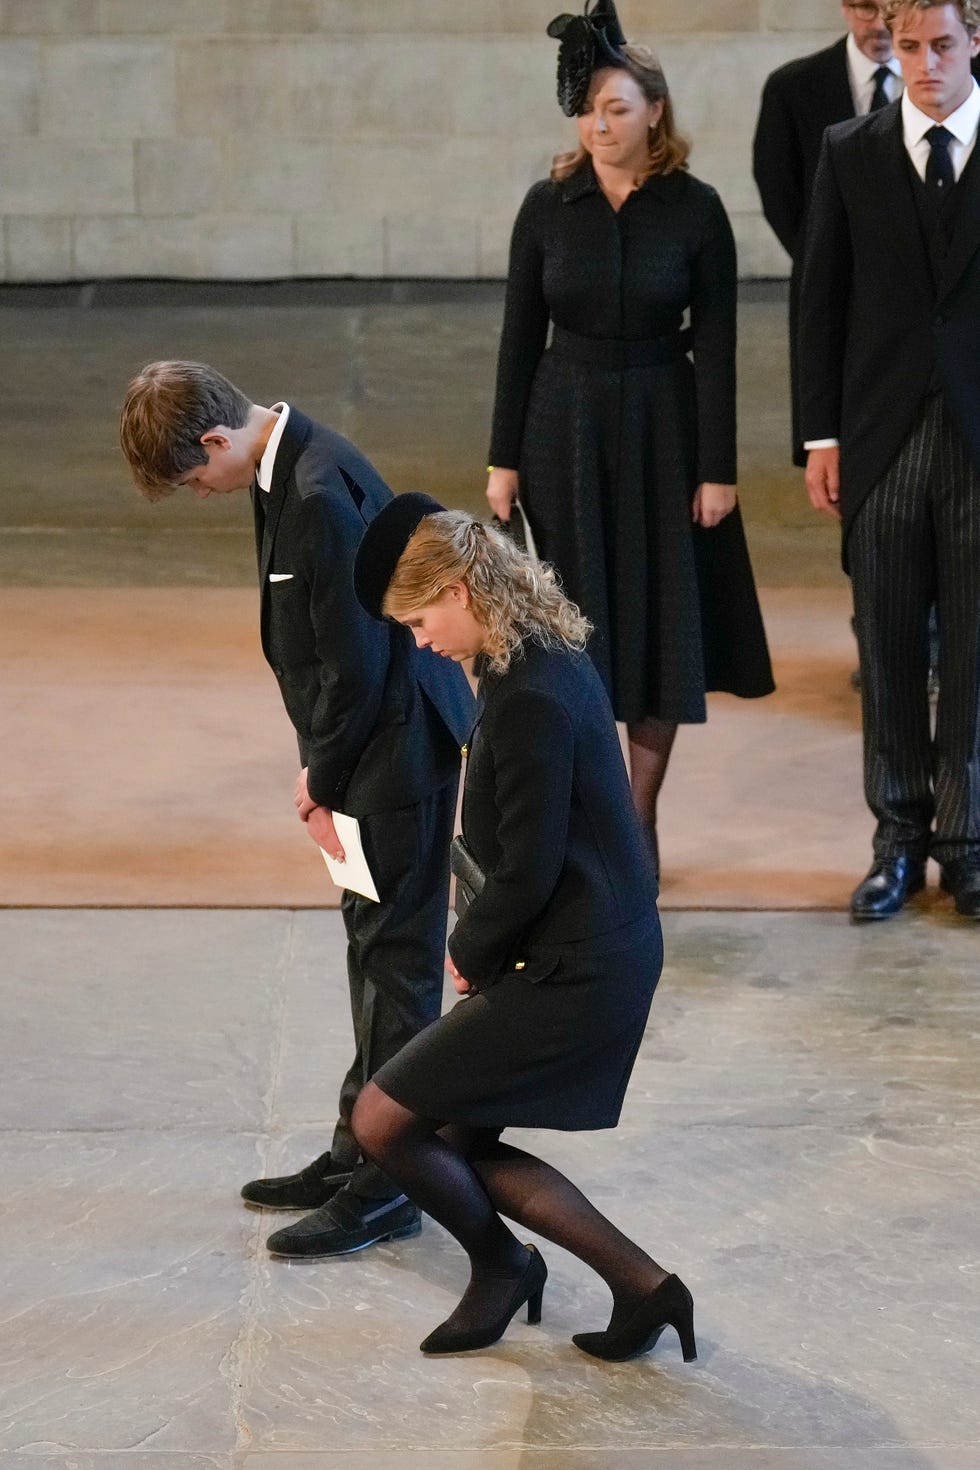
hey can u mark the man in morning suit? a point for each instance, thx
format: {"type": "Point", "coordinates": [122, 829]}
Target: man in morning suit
{"type": "Point", "coordinates": [858, 74]}
{"type": "Point", "coordinates": [379, 727]}
{"type": "Point", "coordinates": [889, 393]}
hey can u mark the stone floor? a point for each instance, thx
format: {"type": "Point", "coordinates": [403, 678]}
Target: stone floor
{"type": "Point", "coordinates": [801, 1136]}
{"type": "Point", "coordinates": [801, 1141]}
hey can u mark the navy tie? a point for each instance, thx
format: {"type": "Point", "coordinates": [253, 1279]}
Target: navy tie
{"type": "Point", "coordinates": [939, 168]}
{"type": "Point", "coordinates": [879, 97]}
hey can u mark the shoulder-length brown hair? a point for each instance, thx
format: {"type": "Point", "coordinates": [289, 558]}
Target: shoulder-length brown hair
{"type": "Point", "coordinates": [669, 151]}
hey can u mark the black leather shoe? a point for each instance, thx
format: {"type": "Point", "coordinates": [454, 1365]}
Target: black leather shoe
{"type": "Point", "coordinates": [961, 878]}
{"type": "Point", "coordinates": [347, 1223]}
{"type": "Point", "coordinates": [311, 1187]}
{"type": "Point", "coordinates": [888, 884]}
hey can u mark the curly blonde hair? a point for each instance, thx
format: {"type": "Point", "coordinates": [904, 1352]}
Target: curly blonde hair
{"type": "Point", "coordinates": [512, 597]}
{"type": "Point", "coordinates": [669, 151]}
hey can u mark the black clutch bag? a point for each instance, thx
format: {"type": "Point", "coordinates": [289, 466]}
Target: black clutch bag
{"type": "Point", "coordinates": [469, 876]}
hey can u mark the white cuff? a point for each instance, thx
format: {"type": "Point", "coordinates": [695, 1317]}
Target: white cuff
{"type": "Point", "coordinates": [821, 444]}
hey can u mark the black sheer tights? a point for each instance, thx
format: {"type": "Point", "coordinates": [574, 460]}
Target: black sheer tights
{"type": "Point", "coordinates": [463, 1177]}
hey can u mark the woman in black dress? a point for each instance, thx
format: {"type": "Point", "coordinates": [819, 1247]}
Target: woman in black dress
{"type": "Point", "coordinates": [621, 445]}
{"type": "Point", "coordinates": [558, 953]}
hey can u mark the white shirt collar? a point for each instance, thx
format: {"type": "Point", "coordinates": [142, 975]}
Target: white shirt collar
{"type": "Point", "coordinates": [962, 123]}
{"type": "Point", "coordinates": [863, 68]}
{"type": "Point", "coordinates": [267, 463]}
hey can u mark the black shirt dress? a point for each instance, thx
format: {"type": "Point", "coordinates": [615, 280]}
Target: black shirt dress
{"type": "Point", "coordinates": [614, 423]}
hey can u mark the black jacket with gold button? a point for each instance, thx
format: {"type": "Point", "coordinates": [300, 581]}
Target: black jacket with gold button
{"type": "Point", "coordinates": [548, 816]}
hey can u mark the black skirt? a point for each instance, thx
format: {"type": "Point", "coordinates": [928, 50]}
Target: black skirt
{"type": "Point", "coordinates": [551, 1054]}
{"type": "Point", "coordinates": [607, 474]}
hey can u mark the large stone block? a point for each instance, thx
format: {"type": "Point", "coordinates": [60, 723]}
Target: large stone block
{"type": "Point", "coordinates": [233, 247]}
{"type": "Point", "coordinates": [178, 176]}
{"type": "Point", "coordinates": [108, 89]}
{"type": "Point", "coordinates": [493, 243]}
{"type": "Point", "coordinates": [340, 242]}
{"type": "Point", "coordinates": [506, 88]}
{"type": "Point", "coordinates": [38, 248]}
{"type": "Point", "coordinates": [800, 15]}
{"type": "Point", "coordinates": [644, 22]}
{"type": "Point", "coordinates": [277, 16]}
{"type": "Point", "coordinates": [150, 17]}
{"type": "Point", "coordinates": [18, 87]}
{"type": "Point", "coordinates": [414, 248]}
{"type": "Point", "coordinates": [290, 176]}
{"type": "Point", "coordinates": [50, 17]}
{"type": "Point", "coordinates": [414, 17]}
{"type": "Point", "coordinates": [60, 176]}
{"type": "Point", "coordinates": [255, 87]}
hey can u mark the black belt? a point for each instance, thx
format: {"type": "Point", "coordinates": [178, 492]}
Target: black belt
{"type": "Point", "coordinates": [616, 352]}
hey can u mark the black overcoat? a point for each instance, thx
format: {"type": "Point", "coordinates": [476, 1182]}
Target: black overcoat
{"type": "Point", "coordinates": [379, 725]}
{"type": "Point", "coordinates": [612, 426]}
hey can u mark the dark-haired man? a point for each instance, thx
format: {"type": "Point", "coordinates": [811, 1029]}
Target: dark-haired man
{"type": "Point", "coordinates": [889, 388]}
{"type": "Point", "coordinates": [379, 726]}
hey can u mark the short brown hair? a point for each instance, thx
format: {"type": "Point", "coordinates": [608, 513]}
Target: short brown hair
{"type": "Point", "coordinates": [668, 149]}
{"type": "Point", "coordinates": [169, 407]}
{"type": "Point", "coordinates": [967, 10]}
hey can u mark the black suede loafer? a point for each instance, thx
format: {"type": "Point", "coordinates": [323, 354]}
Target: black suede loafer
{"type": "Point", "coordinates": [307, 1190]}
{"type": "Point", "coordinates": [961, 878]}
{"type": "Point", "coordinates": [347, 1223]}
{"type": "Point", "coordinates": [888, 884]}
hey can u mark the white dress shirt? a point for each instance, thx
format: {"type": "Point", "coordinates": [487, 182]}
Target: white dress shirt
{"type": "Point", "coordinates": [962, 124]}
{"type": "Point", "coordinates": [861, 75]}
{"type": "Point", "coordinates": [267, 463]}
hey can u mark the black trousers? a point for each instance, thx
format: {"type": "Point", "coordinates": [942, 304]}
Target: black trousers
{"type": "Point", "coordinates": [396, 953]}
{"type": "Point", "coordinates": [915, 541]}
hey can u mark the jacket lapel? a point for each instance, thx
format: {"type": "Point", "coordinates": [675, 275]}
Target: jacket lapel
{"type": "Point", "coordinates": [830, 87]}
{"type": "Point", "coordinates": [294, 436]}
{"type": "Point", "coordinates": [966, 228]}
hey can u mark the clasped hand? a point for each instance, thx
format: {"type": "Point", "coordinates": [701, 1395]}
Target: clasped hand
{"type": "Point", "coordinates": [461, 986]}
{"type": "Point", "coordinates": [319, 821]}
{"type": "Point", "coordinates": [712, 503]}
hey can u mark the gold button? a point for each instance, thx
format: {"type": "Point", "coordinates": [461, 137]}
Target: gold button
{"type": "Point", "coordinates": [519, 965]}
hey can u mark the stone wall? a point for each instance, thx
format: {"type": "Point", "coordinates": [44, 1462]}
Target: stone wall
{"type": "Point", "coordinates": [267, 138]}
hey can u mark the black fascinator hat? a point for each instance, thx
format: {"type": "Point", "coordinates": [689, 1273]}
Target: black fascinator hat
{"type": "Point", "coordinates": [587, 42]}
{"type": "Point", "coordinates": [382, 544]}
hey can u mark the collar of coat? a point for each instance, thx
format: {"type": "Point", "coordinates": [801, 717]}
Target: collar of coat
{"type": "Point", "coordinates": [583, 182]}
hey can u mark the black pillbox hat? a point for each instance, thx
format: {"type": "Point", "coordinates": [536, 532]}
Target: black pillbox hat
{"type": "Point", "coordinates": [382, 544]}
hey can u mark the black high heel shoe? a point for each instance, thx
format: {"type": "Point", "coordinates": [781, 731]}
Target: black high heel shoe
{"type": "Point", "coordinates": [529, 1288]}
{"type": "Point", "coordinates": [671, 1305]}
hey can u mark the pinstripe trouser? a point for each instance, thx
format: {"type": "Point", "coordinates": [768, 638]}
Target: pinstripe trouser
{"type": "Point", "coordinates": [915, 540]}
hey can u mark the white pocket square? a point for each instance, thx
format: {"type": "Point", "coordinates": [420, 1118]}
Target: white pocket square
{"type": "Point", "coordinates": [280, 576]}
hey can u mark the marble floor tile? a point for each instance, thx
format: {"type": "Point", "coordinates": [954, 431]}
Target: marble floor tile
{"type": "Point", "coordinates": [801, 1142]}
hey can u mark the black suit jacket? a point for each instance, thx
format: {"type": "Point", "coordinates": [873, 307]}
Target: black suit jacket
{"type": "Point", "coordinates": [876, 328]}
{"type": "Point", "coordinates": [549, 817]}
{"type": "Point", "coordinates": [379, 723]}
{"type": "Point", "coordinates": [799, 101]}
